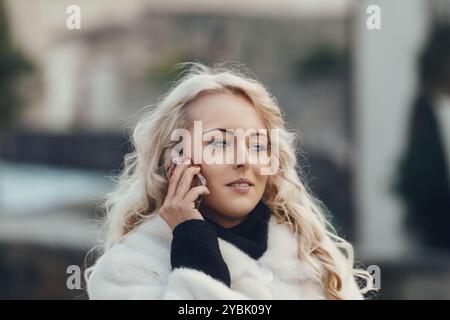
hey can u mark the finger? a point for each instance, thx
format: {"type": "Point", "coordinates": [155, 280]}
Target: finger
{"type": "Point", "coordinates": [195, 192]}
{"type": "Point", "coordinates": [185, 182]}
{"type": "Point", "coordinates": [175, 178]}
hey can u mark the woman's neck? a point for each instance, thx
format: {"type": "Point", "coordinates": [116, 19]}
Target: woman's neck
{"type": "Point", "coordinates": [219, 218]}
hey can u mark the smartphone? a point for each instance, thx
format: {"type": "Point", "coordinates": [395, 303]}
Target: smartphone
{"type": "Point", "coordinates": [198, 180]}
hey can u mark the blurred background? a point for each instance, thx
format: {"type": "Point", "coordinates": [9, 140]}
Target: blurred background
{"type": "Point", "coordinates": [372, 106]}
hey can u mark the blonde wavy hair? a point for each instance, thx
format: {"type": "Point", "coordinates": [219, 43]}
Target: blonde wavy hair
{"type": "Point", "coordinates": [141, 186]}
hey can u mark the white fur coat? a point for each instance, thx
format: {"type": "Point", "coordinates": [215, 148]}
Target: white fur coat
{"type": "Point", "coordinates": [139, 267]}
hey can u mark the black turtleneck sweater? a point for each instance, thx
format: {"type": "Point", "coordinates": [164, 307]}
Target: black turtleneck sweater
{"type": "Point", "coordinates": [195, 244]}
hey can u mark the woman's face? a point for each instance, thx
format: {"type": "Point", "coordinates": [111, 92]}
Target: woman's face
{"type": "Point", "coordinates": [229, 204]}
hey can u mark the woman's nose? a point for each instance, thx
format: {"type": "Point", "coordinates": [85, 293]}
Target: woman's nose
{"type": "Point", "coordinates": [241, 155]}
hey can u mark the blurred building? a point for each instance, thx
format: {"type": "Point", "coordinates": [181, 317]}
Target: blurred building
{"type": "Point", "coordinates": [96, 77]}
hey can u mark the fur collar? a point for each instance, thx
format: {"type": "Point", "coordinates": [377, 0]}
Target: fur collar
{"type": "Point", "coordinates": [138, 267]}
{"type": "Point", "coordinates": [280, 256]}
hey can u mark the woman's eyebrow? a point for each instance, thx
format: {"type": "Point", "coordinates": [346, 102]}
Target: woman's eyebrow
{"type": "Point", "coordinates": [231, 132]}
{"type": "Point", "coordinates": [228, 131]}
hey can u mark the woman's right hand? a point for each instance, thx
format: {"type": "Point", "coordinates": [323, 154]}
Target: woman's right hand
{"type": "Point", "coordinates": [179, 203]}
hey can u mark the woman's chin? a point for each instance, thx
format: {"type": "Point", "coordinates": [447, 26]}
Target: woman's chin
{"type": "Point", "coordinates": [230, 203]}
{"type": "Point", "coordinates": [238, 207]}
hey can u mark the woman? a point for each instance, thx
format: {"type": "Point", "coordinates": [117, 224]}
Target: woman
{"type": "Point", "coordinates": [253, 236]}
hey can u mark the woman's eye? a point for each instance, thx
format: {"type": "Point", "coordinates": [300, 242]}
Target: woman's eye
{"type": "Point", "coordinates": [259, 147]}
{"type": "Point", "coordinates": [221, 144]}
{"type": "Point", "coordinates": [218, 143]}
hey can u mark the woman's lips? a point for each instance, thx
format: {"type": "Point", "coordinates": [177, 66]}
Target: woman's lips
{"type": "Point", "coordinates": [240, 187]}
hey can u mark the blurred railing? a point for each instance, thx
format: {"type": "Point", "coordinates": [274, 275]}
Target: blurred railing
{"type": "Point", "coordinates": [100, 151]}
